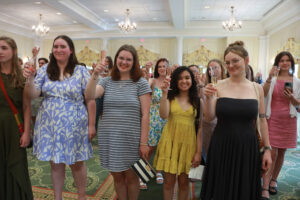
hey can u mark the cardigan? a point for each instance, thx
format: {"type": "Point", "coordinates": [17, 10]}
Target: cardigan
{"type": "Point", "coordinates": [296, 93]}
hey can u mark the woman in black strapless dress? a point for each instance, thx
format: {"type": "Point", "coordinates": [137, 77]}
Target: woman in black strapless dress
{"type": "Point", "coordinates": [234, 164]}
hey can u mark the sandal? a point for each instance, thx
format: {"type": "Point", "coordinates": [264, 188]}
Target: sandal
{"type": "Point", "coordinates": [143, 186]}
{"type": "Point", "coordinates": [264, 198]}
{"type": "Point", "coordinates": [273, 189]}
{"type": "Point", "coordinates": [159, 178]}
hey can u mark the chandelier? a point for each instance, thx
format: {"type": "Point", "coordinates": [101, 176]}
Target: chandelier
{"type": "Point", "coordinates": [127, 26]}
{"type": "Point", "coordinates": [41, 29]}
{"type": "Point", "coordinates": [232, 24]}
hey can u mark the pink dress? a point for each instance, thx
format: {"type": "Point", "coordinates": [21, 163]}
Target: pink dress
{"type": "Point", "coordinates": [282, 128]}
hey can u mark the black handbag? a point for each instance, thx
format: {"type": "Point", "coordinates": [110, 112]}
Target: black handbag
{"type": "Point", "coordinates": [144, 170]}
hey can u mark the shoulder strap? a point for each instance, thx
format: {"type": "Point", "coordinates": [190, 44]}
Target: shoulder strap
{"type": "Point", "coordinates": [257, 92]}
{"type": "Point", "coordinates": [12, 106]}
{"type": "Point", "coordinates": [257, 119]}
{"type": "Point", "coordinates": [198, 108]}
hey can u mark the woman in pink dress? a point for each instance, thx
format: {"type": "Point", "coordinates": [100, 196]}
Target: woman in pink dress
{"type": "Point", "coordinates": [283, 95]}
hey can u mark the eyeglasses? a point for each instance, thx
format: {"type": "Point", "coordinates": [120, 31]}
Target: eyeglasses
{"type": "Point", "coordinates": [234, 61]}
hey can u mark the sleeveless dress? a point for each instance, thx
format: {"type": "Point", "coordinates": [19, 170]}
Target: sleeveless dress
{"type": "Point", "coordinates": [156, 122]}
{"type": "Point", "coordinates": [282, 128]}
{"type": "Point", "coordinates": [14, 175]}
{"type": "Point", "coordinates": [233, 164]}
{"type": "Point", "coordinates": [177, 145]}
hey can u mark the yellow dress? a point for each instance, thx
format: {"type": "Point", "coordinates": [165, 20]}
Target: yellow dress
{"type": "Point", "coordinates": [177, 145]}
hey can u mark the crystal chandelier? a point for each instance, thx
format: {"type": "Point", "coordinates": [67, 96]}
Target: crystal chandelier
{"type": "Point", "coordinates": [232, 24]}
{"type": "Point", "coordinates": [127, 26]}
{"type": "Point", "coordinates": [41, 29]}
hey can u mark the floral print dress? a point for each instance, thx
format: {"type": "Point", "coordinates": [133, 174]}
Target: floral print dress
{"type": "Point", "coordinates": [61, 128]}
{"type": "Point", "coordinates": [156, 122]}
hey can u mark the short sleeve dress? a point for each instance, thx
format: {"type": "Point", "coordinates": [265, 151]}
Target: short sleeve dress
{"type": "Point", "coordinates": [61, 129]}
{"type": "Point", "coordinates": [14, 176]}
{"type": "Point", "coordinates": [119, 130]}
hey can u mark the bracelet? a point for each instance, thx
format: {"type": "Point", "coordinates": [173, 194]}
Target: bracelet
{"type": "Point", "coordinates": [267, 148]}
{"type": "Point", "coordinates": [268, 81]}
{"type": "Point", "coordinates": [143, 144]}
{"type": "Point", "coordinates": [95, 77]}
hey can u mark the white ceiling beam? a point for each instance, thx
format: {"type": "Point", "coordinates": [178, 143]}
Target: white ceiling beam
{"type": "Point", "coordinates": [177, 8]}
{"type": "Point", "coordinates": [79, 12]}
{"type": "Point", "coordinates": [282, 15]}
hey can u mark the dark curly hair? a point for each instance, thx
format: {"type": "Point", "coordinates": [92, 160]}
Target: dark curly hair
{"type": "Point", "coordinates": [193, 92]}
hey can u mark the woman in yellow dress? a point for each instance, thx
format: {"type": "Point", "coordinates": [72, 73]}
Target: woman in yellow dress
{"type": "Point", "coordinates": [179, 148]}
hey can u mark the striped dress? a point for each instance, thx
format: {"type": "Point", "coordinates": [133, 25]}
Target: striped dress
{"type": "Point", "coordinates": [120, 127]}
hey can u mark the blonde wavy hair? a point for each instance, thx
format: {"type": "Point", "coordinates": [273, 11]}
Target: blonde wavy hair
{"type": "Point", "coordinates": [17, 79]}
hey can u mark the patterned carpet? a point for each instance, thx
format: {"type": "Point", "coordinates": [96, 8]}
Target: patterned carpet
{"type": "Point", "coordinates": [99, 181]}
{"type": "Point", "coordinates": [289, 178]}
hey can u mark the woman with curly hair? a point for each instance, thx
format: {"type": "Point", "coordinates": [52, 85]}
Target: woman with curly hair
{"type": "Point", "coordinates": [179, 148]}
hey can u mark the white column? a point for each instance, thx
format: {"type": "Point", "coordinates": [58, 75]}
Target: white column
{"type": "Point", "coordinates": [179, 49]}
{"type": "Point", "coordinates": [263, 56]}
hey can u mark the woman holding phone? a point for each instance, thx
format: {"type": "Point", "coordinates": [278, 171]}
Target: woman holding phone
{"type": "Point", "coordinates": [282, 90]}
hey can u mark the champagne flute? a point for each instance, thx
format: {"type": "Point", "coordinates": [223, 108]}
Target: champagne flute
{"type": "Point", "coordinates": [168, 76]}
{"type": "Point", "coordinates": [103, 58]}
{"type": "Point", "coordinates": [277, 72]}
{"type": "Point", "coordinates": [29, 65]}
{"type": "Point", "coordinates": [214, 77]}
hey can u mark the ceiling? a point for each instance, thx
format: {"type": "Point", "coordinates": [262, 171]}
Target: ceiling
{"type": "Point", "coordinates": [154, 18]}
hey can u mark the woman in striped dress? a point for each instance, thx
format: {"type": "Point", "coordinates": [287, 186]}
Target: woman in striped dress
{"type": "Point", "coordinates": [123, 130]}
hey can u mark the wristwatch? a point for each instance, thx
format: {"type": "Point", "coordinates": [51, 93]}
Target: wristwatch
{"type": "Point", "coordinates": [267, 148]}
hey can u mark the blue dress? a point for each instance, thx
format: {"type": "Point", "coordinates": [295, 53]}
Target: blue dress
{"type": "Point", "coordinates": [61, 128]}
{"type": "Point", "coordinates": [156, 122]}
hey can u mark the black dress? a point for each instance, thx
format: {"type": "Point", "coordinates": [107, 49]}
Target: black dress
{"type": "Point", "coordinates": [233, 162]}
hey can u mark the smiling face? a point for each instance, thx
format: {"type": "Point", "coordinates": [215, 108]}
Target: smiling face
{"type": "Point", "coordinates": [284, 63]}
{"type": "Point", "coordinates": [124, 62]}
{"type": "Point", "coordinates": [184, 81]}
{"type": "Point", "coordinates": [61, 50]}
{"type": "Point", "coordinates": [217, 70]}
{"type": "Point", "coordinates": [162, 67]}
{"type": "Point", "coordinates": [235, 64]}
{"type": "Point", "coordinates": [6, 52]}
{"type": "Point", "coordinates": [42, 62]}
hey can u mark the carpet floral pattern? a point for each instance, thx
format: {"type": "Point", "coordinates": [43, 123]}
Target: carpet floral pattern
{"type": "Point", "coordinates": [99, 181]}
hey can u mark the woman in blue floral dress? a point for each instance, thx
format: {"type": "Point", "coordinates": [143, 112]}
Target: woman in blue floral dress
{"type": "Point", "coordinates": [65, 123]}
{"type": "Point", "coordinates": [156, 122]}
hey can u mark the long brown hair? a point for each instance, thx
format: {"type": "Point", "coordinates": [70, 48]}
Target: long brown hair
{"type": "Point", "coordinates": [17, 79]}
{"type": "Point", "coordinates": [135, 72]}
{"type": "Point", "coordinates": [208, 77]}
{"type": "Point", "coordinates": [53, 70]}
